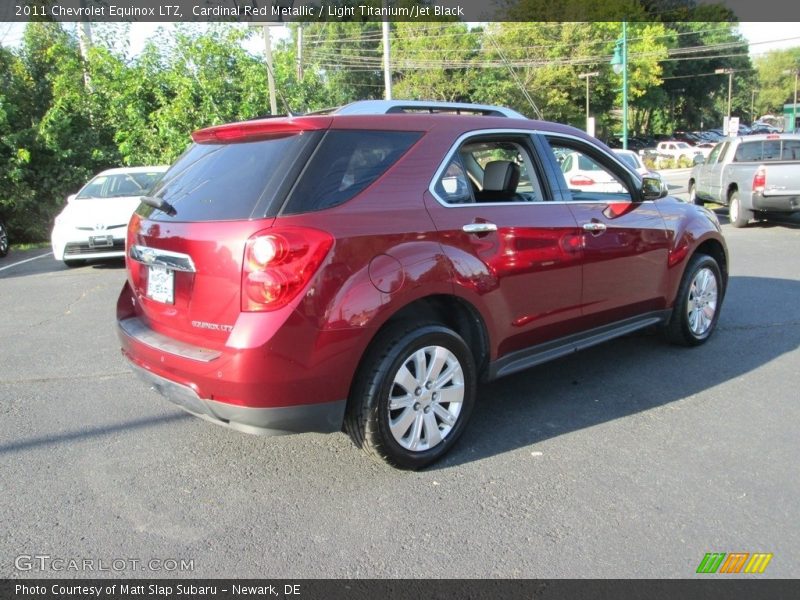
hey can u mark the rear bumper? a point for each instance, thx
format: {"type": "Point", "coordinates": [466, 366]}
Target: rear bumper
{"type": "Point", "coordinates": [323, 418]}
{"type": "Point", "coordinates": [788, 204]}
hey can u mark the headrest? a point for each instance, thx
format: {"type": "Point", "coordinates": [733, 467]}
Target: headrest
{"type": "Point", "coordinates": [501, 176]}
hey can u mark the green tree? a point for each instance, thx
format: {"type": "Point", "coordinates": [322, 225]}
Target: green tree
{"type": "Point", "coordinates": [776, 80]}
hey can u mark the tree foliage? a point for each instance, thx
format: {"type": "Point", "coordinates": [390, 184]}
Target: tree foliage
{"type": "Point", "coordinates": [64, 116]}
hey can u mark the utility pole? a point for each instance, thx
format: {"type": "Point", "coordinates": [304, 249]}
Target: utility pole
{"type": "Point", "coordinates": [586, 76]}
{"type": "Point", "coordinates": [273, 103]}
{"type": "Point", "coordinates": [729, 73]}
{"type": "Point", "coordinates": [753, 105]}
{"type": "Point", "coordinates": [387, 72]}
{"type": "Point", "coordinates": [299, 52]}
{"type": "Point", "coordinates": [794, 106]}
{"type": "Point", "coordinates": [85, 44]}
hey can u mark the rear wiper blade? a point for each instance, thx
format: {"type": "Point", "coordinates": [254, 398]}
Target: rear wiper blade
{"type": "Point", "coordinates": [159, 203]}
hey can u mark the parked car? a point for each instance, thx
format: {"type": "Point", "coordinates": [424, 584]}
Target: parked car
{"type": "Point", "coordinates": [634, 161]}
{"type": "Point", "coordinates": [93, 223]}
{"type": "Point", "coordinates": [3, 239]}
{"type": "Point", "coordinates": [705, 149]}
{"type": "Point", "coordinates": [677, 150]}
{"type": "Point", "coordinates": [365, 268]}
{"type": "Point", "coordinates": [754, 176]}
{"type": "Point", "coordinates": [584, 174]}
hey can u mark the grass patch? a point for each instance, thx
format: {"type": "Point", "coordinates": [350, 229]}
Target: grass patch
{"type": "Point", "coordinates": [30, 246]}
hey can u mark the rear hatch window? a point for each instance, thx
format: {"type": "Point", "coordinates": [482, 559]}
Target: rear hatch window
{"type": "Point", "coordinates": [232, 181]}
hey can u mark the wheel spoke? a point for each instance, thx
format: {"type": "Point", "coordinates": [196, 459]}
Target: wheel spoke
{"type": "Point", "coordinates": [416, 432]}
{"type": "Point", "coordinates": [432, 434]}
{"type": "Point", "coordinates": [447, 375]}
{"type": "Point", "coordinates": [400, 425]}
{"type": "Point", "coordinates": [398, 402]}
{"type": "Point", "coordinates": [406, 380]}
{"type": "Point", "coordinates": [420, 366]}
{"type": "Point", "coordinates": [446, 417]}
{"type": "Point", "coordinates": [440, 356]}
{"type": "Point", "coordinates": [450, 394]}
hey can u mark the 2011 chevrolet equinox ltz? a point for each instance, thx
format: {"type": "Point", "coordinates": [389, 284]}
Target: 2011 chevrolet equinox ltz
{"type": "Point", "coordinates": [365, 268]}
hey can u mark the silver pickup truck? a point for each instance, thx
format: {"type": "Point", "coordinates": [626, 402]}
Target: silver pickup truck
{"type": "Point", "coordinates": [755, 176]}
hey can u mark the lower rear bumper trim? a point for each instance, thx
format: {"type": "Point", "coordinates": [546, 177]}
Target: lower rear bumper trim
{"type": "Point", "coordinates": [326, 417]}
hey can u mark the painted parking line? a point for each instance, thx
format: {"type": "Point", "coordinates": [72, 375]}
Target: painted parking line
{"type": "Point", "coordinates": [25, 261]}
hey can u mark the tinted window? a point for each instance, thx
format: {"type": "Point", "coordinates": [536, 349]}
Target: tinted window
{"type": "Point", "coordinates": [345, 163]}
{"type": "Point", "coordinates": [224, 182]}
{"type": "Point", "coordinates": [712, 158]}
{"type": "Point", "coordinates": [453, 186]}
{"type": "Point", "coordinates": [791, 150]}
{"type": "Point", "coordinates": [748, 152]}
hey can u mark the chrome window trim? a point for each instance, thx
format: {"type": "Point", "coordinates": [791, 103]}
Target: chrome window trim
{"type": "Point", "coordinates": [176, 261]}
{"type": "Point", "coordinates": [529, 132]}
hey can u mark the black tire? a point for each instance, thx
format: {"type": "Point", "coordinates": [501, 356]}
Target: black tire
{"type": "Point", "coordinates": [693, 196]}
{"type": "Point", "coordinates": [369, 417]}
{"type": "Point", "coordinates": [3, 239]}
{"type": "Point", "coordinates": [738, 216]}
{"type": "Point", "coordinates": [690, 324]}
{"type": "Point", "coordinates": [73, 263]}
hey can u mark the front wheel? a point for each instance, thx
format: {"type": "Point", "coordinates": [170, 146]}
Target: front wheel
{"type": "Point", "coordinates": [413, 397]}
{"type": "Point", "coordinates": [696, 309]}
{"type": "Point", "coordinates": [738, 216]}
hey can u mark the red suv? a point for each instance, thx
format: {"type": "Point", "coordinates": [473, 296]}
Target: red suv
{"type": "Point", "coordinates": [365, 268]}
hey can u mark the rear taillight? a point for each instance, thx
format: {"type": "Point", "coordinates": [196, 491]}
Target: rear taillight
{"type": "Point", "coordinates": [581, 180]}
{"type": "Point", "coordinates": [760, 180]}
{"type": "Point", "coordinates": [279, 264]}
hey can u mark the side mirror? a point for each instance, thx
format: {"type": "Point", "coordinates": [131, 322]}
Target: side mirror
{"type": "Point", "coordinates": [70, 198]}
{"type": "Point", "coordinates": [699, 159]}
{"type": "Point", "coordinates": [653, 188]}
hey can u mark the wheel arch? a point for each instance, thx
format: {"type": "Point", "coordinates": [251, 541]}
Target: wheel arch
{"type": "Point", "coordinates": [713, 248]}
{"type": "Point", "coordinates": [445, 309]}
{"type": "Point", "coordinates": [732, 187]}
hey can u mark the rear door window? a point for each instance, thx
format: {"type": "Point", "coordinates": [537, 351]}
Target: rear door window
{"type": "Point", "coordinates": [346, 163]}
{"type": "Point", "coordinates": [234, 181]}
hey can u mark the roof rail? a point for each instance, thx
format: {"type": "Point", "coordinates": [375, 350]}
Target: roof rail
{"type": "Point", "coordinates": [385, 107]}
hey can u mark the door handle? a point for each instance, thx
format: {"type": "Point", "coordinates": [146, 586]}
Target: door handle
{"type": "Point", "coordinates": [594, 227]}
{"type": "Point", "coordinates": [479, 227]}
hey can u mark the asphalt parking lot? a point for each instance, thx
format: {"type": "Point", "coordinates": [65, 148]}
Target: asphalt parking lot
{"type": "Point", "coordinates": [632, 459]}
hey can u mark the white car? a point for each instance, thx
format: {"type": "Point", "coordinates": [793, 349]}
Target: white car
{"type": "Point", "coordinates": [634, 161]}
{"type": "Point", "coordinates": [584, 174]}
{"type": "Point", "coordinates": [94, 222]}
{"type": "Point", "coordinates": [677, 150]}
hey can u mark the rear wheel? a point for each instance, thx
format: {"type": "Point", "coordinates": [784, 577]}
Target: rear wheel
{"type": "Point", "coordinates": [738, 216]}
{"type": "Point", "coordinates": [72, 263]}
{"type": "Point", "coordinates": [693, 195]}
{"type": "Point", "coordinates": [413, 396]}
{"type": "Point", "coordinates": [697, 304]}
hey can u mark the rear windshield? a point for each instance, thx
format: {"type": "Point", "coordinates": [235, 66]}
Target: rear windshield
{"type": "Point", "coordinates": [231, 182]}
{"type": "Point", "coordinates": [345, 163]}
{"type": "Point", "coordinates": [767, 150]}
